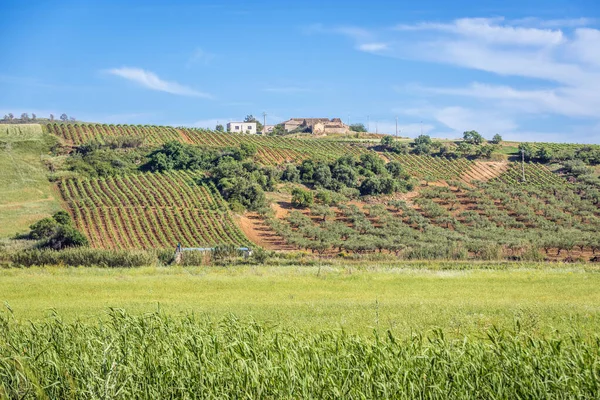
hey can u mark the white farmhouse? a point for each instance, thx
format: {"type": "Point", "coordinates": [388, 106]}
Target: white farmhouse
{"type": "Point", "coordinates": [241, 127]}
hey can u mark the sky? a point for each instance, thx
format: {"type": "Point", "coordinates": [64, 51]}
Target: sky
{"type": "Point", "coordinates": [527, 70]}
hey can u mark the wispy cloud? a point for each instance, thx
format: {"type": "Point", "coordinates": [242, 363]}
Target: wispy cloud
{"type": "Point", "coordinates": [364, 39]}
{"type": "Point", "coordinates": [557, 61]}
{"type": "Point", "coordinates": [491, 31]}
{"type": "Point", "coordinates": [200, 56]}
{"type": "Point", "coordinates": [151, 81]}
{"type": "Point", "coordinates": [372, 47]}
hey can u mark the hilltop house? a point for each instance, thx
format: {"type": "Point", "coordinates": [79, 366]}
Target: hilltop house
{"type": "Point", "coordinates": [241, 127]}
{"type": "Point", "coordinates": [317, 126]}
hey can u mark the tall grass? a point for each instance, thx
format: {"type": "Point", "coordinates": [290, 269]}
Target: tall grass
{"type": "Point", "coordinates": [85, 257]}
{"type": "Point", "coordinates": [155, 356]}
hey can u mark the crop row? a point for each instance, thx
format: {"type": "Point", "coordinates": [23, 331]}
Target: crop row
{"type": "Point", "coordinates": [271, 150]}
{"type": "Point", "coordinates": [432, 168]}
{"type": "Point", "coordinates": [535, 174]}
{"type": "Point", "coordinates": [150, 211]}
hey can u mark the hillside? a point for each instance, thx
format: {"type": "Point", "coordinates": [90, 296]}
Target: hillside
{"type": "Point", "coordinates": [436, 207]}
{"type": "Point", "coordinates": [26, 195]}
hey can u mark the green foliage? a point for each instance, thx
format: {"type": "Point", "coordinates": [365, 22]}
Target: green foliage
{"type": "Point", "coordinates": [497, 139]}
{"type": "Point", "coordinates": [302, 198]}
{"type": "Point", "coordinates": [387, 140]}
{"type": "Point", "coordinates": [84, 257]}
{"type": "Point", "coordinates": [183, 357]}
{"type": "Point", "coordinates": [220, 128]}
{"type": "Point", "coordinates": [57, 233]}
{"type": "Point", "coordinates": [65, 236]}
{"type": "Point", "coordinates": [422, 144]}
{"type": "Point", "coordinates": [473, 137]}
{"type": "Point", "coordinates": [62, 217]}
{"type": "Point", "coordinates": [526, 150]}
{"type": "Point", "coordinates": [176, 156]}
{"type": "Point", "coordinates": [358, 128]}
{"type": "Point", "coordinates": [95, 160]}
{"type": "Point", "coordinates": [43, 229]}
{"type": "Point", "coordinates": [290, 173]}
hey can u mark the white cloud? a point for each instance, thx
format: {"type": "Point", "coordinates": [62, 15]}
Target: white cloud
{"type": "Point", "coordinates": [488, 30]}
{"type": "Point", "coordinates": [372, 47]}
{"type": "Point", "coordinates": [151, 81]}
{"type": "Point", "coordinates": [557, 63]}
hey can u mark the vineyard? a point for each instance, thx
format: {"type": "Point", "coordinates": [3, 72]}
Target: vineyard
{"type": "Point", "coordinates": [432, 168]}
{"type": "Point", "coordinates": [271, 150]}
{"type": "Point", "coordinates": [563, 146]}
{"type": "Point", "coordinates": [535, 174]}
{"type": "Point", "coordinates": [150, 211]}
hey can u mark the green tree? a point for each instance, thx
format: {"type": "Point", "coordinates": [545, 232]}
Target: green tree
{"type": "Point", "coordinates": [370, 186]}
{"type": "Point", "coordinates": [358, 128]}
{"type": "Point", "coordinates": [395, 169]}
{"type": "Point", "coordinates": [473, 137]}
{"type": "Point", "coordinates": [250, 118]}
{"type": "Point", "coordinates": [290, 173]}
{"type": "Point", "coordinates": [302, 198]}
{"type": "Point", "coordinates": [220, 128]}
{"type": "Point", "coordinates": [387, 140]}
{"type": "Point", "coordinates": [497, 139]}
{"type": "Point", "coordinates": [527, 151]}
{"type": "Point", "coordinates": [422, 144]}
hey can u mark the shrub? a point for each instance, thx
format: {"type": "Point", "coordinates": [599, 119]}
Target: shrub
{"type": "Point", "coordinates": [302, 198]}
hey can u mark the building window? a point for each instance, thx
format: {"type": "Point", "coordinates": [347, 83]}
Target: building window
{"type": "Point", "coordinates": [237, 127]}
{"type": "Point", "coordinates": [250, 127]}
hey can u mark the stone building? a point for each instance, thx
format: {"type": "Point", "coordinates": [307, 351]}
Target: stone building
{"type": "Point", "coordinates": [316, 126]}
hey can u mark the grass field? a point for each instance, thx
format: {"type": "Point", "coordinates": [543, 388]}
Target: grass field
{"type": "Point", "coordinates": [358, 300]}
{"type": "Point", "coordinates": [25, 193]}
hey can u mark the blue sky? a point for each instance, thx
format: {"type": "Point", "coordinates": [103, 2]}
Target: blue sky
{"type": "Point", "coordinates": [529, 70]}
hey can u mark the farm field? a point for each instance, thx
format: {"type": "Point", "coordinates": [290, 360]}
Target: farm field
{"type": "Point", "coordinates": [149, 210]}
{"type": "Point", "coordinates": [26, 195]}
{"type": "Point", "coordinates": [271, 150]}
{"type": "Point", "coordinates": [459, 298]}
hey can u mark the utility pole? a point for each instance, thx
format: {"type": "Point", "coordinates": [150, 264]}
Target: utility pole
{"type": "Point", "coordinates": [421, 127]}
{"type": "Point", "coordinates": [523, 163]}
{"type": "Point", "coordinates": [264, 122]}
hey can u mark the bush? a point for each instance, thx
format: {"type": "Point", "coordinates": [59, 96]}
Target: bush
{"type": "Point", "coordinates": [65, 236]}
{"type": "Point", "coordinates": [302, 198]}
{"type": "Point", "coordinates": [57, 233]}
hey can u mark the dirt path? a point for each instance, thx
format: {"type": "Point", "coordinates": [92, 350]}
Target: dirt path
{"type": "Point", "coordinates": [259, 233]}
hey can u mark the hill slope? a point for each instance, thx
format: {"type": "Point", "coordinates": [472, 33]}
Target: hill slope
{"type": "Point", "coordinates": [26, 195]}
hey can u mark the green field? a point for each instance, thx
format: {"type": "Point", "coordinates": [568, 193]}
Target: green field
{"type": "Point", "coordinates": [25, 193]}
{"type": "Point", "coordinates": [356, 299]}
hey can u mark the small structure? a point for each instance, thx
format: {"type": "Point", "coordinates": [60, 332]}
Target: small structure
{"type": "Point", "coordinates": [241, 127]}
{"type": "Point", "coordinates": [268, 129]}
{"type": "Point", "coordinates": [316, 126]}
